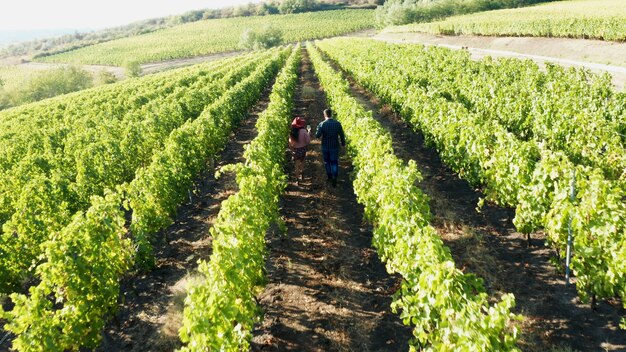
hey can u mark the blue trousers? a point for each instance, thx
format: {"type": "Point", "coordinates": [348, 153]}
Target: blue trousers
{"type": "Point", "coordinates": [331, 161]}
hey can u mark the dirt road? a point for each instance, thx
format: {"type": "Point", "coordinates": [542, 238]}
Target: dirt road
{"type": "Point", "coordinates": [595, 55]}
{"type": "Point", "coordinates": [327, 289]}
{"type": "Point", "coordinates": [147, 69]}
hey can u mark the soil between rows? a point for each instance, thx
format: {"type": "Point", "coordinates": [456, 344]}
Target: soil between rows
{"type": "Point", "coordinates": [487, 244]}
{"type": "Point", "coordinates": [327, 290]}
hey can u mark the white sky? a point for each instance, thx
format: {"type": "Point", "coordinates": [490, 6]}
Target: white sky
{"type": "Point", "coordinates": [40, 14]}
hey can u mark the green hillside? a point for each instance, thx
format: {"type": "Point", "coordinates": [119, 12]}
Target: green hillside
{"type": "Point", "coordinates": [598, 19]}
{"type": "Point", "coordinates": [214, 36]}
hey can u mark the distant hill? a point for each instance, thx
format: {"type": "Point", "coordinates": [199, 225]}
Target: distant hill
{"type": "Point", "coordinates": [14, 36]}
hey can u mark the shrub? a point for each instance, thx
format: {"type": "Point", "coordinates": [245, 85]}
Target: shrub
{"type": "Point", "coordinates": [398, 12]}
{"type": "Point", "coordinates": [132, 68]}
{"type": "Point", "coordinates": [106, 77]}
{"type": "Point", "coordinates": [4, 98]}
{"type": "Point", "coordinates": [295, 6]}
{"type": "Point", "coordinates": [260, 39]}
{"type": "Point", "coordinates": [55, 82]}
{"type": "Point", "coordinates": [46, 84]}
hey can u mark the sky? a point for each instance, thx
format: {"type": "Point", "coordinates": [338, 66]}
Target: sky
{"type": "Point", "coordinates": [94, 14]}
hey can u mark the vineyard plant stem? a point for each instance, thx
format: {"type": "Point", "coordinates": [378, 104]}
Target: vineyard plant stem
{"type": "Point", "coordinates": [568, 258]}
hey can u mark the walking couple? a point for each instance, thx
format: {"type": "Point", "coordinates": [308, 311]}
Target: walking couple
{"type": "Point", "coordinates": [331, 133]}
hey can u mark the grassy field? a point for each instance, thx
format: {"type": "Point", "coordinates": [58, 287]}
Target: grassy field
{"type": "Point", "coordinates": [596, 19]}
{"type": "Point", "coordinates": [214, 36]}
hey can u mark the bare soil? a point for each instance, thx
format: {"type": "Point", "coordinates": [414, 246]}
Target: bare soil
{"type": "Point", "coordinates": [327, 290]}
{"type": "Point", "coordinates": [596, 55]}
{"type": "Point", "coordinates": [486, 243]}
{"type": "Point", "coordinates": [119, 72]}
{"type": "Point", "coordinates": [153, 67]}
{"type": "Point", "coordinates": [151, 304]}
{"type": "Point", "coordinates": [94, 69]}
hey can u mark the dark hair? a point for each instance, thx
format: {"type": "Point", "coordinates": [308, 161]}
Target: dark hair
{"type": "Point", "coordinates": [295, 133]}
{"type": "Point", "coordinates": [328, 113]}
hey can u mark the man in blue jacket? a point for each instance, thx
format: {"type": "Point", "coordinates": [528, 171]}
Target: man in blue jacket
{"type": "Point", "coordinates": [331, 133]}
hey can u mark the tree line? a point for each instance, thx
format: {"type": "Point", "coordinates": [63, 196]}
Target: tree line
{"type": "Point", "coordinates": [398, 12]}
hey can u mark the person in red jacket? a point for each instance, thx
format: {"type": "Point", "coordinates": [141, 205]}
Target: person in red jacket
{"type": "Point", "coordinates": [299, 139]}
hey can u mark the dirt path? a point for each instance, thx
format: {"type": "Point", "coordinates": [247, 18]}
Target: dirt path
{"type": "Point", "coordinates": [94, 69]}
{"type": "Point", "coordinates": [149, 67]}
{"type": "Point", "coordinates": [596, 55]}
{"type": "Point", "coordinates": [153, 67]}
{"type": "Point", "coordinates": [151, 310]}
{"type": "Point", "coordinates": [488, 245]}
{"type": "Point", "coordinates": [327, 289]}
